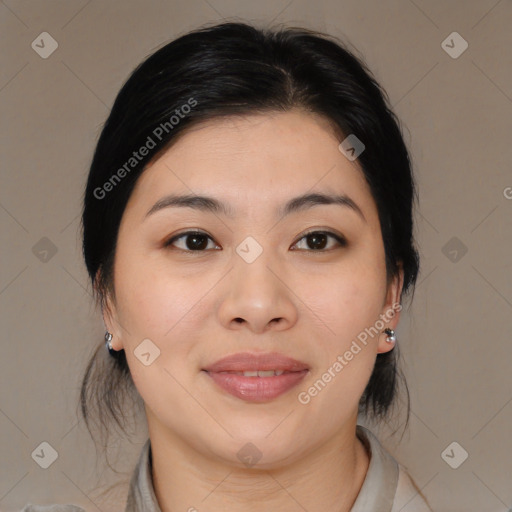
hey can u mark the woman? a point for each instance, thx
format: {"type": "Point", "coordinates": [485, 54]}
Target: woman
{"type": "Point", "coordinates": [247, 228]}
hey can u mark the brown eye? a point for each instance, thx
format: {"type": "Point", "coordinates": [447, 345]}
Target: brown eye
{"type": "Point", "coordinates": [317, 241]}
{"type": "Point", "coordinates": [193, 241]}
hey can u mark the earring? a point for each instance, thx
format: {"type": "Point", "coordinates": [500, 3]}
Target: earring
{"type": "Point", "coordinates": [108, 343]}
{"type": "Point", "coordinates": [391, 338]}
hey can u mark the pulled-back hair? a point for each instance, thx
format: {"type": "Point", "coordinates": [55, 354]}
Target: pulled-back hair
{"type": "Point", "coordinates": [238, 69]}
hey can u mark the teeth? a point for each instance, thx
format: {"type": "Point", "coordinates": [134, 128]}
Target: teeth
{"type": "Point", "coordinates": [260, 373]}
{"type": "Point", "coordinates": [269, 373]}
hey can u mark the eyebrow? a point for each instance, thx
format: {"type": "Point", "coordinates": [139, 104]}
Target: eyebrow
{"type": "Point", "coordinates": [212, 205]}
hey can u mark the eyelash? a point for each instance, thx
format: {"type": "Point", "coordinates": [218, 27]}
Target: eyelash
{"type": "Point", "coordinates": [341, 240]}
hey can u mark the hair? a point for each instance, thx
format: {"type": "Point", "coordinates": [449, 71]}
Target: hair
{"type": "Point", "coordinates": [233, 69]}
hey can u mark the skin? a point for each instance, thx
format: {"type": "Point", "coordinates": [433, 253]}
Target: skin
{"type": "Point", "coordinates": [307, 304]}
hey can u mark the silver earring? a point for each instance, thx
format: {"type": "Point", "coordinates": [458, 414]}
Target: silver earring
{"type": "Point", "coordinates": [391, 338]}
{"type": "Point", "coordinates": [108, 343]}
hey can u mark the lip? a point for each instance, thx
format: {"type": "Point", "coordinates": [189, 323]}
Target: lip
{"type": "Point", "coordinates": [257, 389]}
{"type": "Point", "coordinates": [245, 361]}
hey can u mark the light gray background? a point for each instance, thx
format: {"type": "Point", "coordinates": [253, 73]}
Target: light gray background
{"type": "Point", "coordinates": [457, 118]}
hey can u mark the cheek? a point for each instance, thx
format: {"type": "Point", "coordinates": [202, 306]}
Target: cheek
{"type": "Point", "coordinates": [345, 307]}
{"type": "Point", "coordinates": [346, 300]}
{"type": "Point", "coordinates": [154, 301]}
{"type": "Point", "coordinates": [345, 352]}
{"type": "Point", "coordinates": [154, 304]}
{"type": "Point", "coordinates": [349, 347]}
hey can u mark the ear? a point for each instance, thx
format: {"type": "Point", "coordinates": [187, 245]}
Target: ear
{"type": "Point", "coordinates": [390, 313]}
{"type": "Point", "coordinates": [109, 313]}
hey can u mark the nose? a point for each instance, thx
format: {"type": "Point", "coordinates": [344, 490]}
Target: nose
{"type": "Point", "coordinates": [257, 297]}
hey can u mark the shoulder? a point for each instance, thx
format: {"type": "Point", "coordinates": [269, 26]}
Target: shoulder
{"type": "Point", "coordinates": [387, 486]}
{"type": "Point", "coordinates": [29, 507]}
{"type": "Point", "coordinates": [408, 497]}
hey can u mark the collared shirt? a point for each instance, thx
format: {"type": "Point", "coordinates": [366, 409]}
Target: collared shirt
{"type": "Point", "coordinates": [387, 486]}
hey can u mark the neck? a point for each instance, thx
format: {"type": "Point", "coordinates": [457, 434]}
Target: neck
{"type": "Point", "coordinates": [327, 478]}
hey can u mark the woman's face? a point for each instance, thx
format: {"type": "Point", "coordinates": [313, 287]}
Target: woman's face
{"type": "Point", "coordinates": [252, 282]}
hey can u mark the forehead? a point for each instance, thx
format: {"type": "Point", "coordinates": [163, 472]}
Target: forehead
{"type": "Point", "coordinates": [255, 159]}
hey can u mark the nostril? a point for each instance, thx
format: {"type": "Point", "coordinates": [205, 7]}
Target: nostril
{"type": "Point", "coordinates": [239, 320]}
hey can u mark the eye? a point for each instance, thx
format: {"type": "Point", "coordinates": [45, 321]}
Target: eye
{"type": "Point", "coordinates": [197, 241]}
{"type": "Point", "coordinates": [194, 241]}
{"type": "Point", "coordinates": [317, 240]}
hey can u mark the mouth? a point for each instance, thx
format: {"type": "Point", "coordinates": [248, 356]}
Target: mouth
{"type": "Point", "coordinates": [256, 377]}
